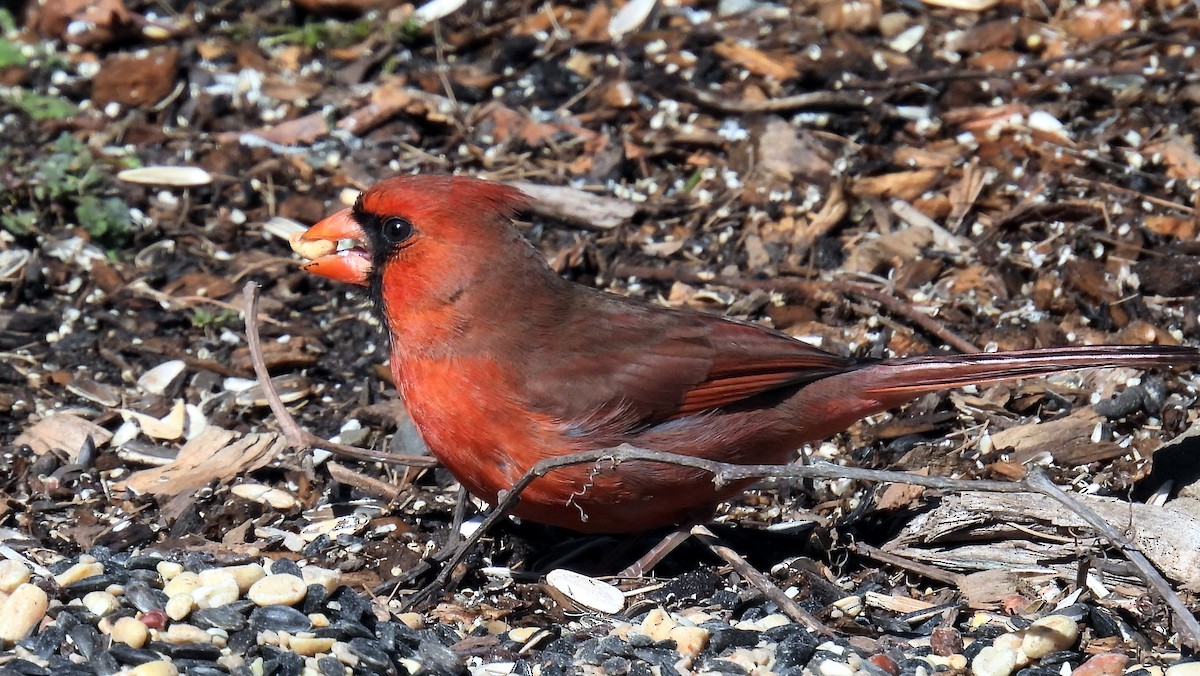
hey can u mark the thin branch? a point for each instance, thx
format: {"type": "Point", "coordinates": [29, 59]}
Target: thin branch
{"type": "Point", "coordinates": [923, 569]}
{"type": "Point", "coordinates": [298, 438]}
{"type": "Point", "coordinates": [1185, 622]}
{"type": "Point", "coordinates": [760, 581]}
{"type": "Point", "coordinates": [905, 309]}
{"type": "Point", "coordinates": [787, 104]}
{"type": "Point", "coordinates": [722, 474]}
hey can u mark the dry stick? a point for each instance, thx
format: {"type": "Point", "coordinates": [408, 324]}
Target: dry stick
{"type": "Point", "coordinates": [760, 581]}
{"type": "Point", "coordinates": [722, 473]}
{"type": "Point", "coordinates": [906, 310]}
{"type": "Point", "coordinates": [823, 99]}
{"type": "Point", "coordinates": [922, 569]}
{"type": "Point", "coordinates": [1186, 623]}
{"type": "Point", "coordinates": [296, 437]}
{"type": "Point", "coordinates": [369, 485]}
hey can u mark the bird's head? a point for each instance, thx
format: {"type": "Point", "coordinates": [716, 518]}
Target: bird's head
{"type": "Point", "coordinates": [416, 238]}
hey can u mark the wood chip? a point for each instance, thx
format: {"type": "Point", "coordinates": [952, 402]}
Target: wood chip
{"type": "Point", "coordinates": [584, 209]}
{"type": "Point", "coordinates": [63, 431]}
{"type": "Point", "coordinates": [214, 454]}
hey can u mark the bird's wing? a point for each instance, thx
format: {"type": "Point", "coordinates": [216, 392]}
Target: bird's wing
{"type": "Point", "coordinates": [644, 364]}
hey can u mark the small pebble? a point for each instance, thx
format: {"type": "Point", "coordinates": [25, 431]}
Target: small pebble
{"type": "Point", "coordinates": [168, 569]}
{"type": "Point", "coordinates": [1051, 633]}
{"type": "Point", "coordinates": [993, 661]}
{"type": "Point", "coordinates": [100, 603]}
{"type": "Point", "coordinates": [246, 575]}
{"type": "Point", "coordinates": [329, 579]}
{"type": "Point", "coordinates": [179, 606]}
{"type": "Point", "coordinates": [1104, 664]}
{"type": "Point", "coordinates": [1184, 669]}
{"type": "Point", "coordinates": [154, 668]}
{"type": "Point", "coordinates": [130, 631]}
{"type": "Point", "coordinates": [658, 624]}
{"type": "Point", "coordinates": [181, 633]}
{"type": "Point", "coordinates": [22, 611]}
{"type": "Point", "coordinates": [414, 621]}
{"type": "Point", "coordinates": [834, 668]}
{"type": "Point", "coordinates": [183, 583]}
{"type": "Point", "coordinates": [13, 574]}
{"type": "Point", "coordinates": [309, 645]}
{"type": "Point", "coordinates": [945, 641]}
{"type": "Point", "coordinates": [78, 572]}
{"type": "Point", "coordinates": [278, 590]}
{"type": "Point", "coordinates": [223, 591]}
{"type": "Point", "coordinates": [689, 641]}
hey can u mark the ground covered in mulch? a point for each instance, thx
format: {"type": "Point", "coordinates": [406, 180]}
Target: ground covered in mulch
{"type": "Point", "coordinates": [875, 178]}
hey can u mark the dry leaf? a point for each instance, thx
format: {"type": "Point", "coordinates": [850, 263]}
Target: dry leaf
{"type": "Point", "coordinates": [63, 431]}
{"type": "Point", "coordinates": [786, 152]}
{"type": "Point", "coordinates": [300, 131]}
{"type": "Point", "coordinates": [88, 23]}
{"type": "Point", "coordinates": [901, 245]}
{"type": "Point", "coordinates": [214, 454]}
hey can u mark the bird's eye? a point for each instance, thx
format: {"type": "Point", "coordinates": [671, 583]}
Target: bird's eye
{"type": "Point", "coordinates": [396, 230]}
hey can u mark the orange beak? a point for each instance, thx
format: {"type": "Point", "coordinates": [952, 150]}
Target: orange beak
{"type": "Point", "coordinates": [320, 242]}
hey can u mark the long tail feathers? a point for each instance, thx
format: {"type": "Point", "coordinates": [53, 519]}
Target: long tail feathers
{"type": "Point", "coordinates": [912, 376]}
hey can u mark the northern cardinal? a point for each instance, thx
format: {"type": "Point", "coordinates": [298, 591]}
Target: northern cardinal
{"type": "Point", "coordinates": [501, 363]}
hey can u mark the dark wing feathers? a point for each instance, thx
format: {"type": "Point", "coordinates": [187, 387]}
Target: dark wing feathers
{"type": "Point", "coordinates": [654, 365]}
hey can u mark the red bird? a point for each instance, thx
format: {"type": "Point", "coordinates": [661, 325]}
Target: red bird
{"type": "Point", "coordinates": [502, 363]}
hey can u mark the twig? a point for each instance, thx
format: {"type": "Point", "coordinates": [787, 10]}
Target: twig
{"type": "Point", "coordinates": [296, 437]}
{"type": "Point", "coordinates": [922, 569]}
{"type": "Point", "coordinates": [366, 484]}
{"type": "Point", "coordinates": [722, 473]}
{"type": "Point", "coordinates": [760, 581]}
{"type": "Point", "coordinates": [906, 310]}
{"type": "Point", "coordinates": [808, 100]}
{"type": "Point", "coordinates": [1186, 623]}
{"type": "Point", "coordinates": [291, 430]}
